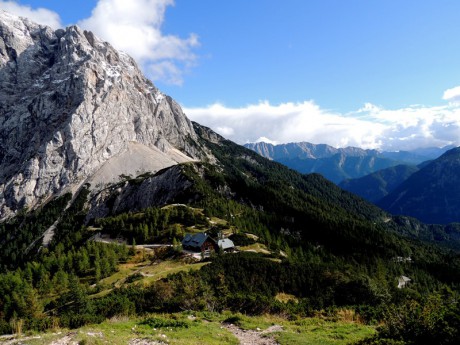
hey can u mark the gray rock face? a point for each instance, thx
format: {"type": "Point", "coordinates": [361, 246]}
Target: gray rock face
{"type": "Point", "coordinates": [69, 103]}
{"type": "Point", "coordinates": [158, 190]}
{"type": "Point", "coordinates": [301, 150]}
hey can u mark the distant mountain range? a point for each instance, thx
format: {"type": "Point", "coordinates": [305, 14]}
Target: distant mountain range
{"type": "Point", "coordinates": [338, 164]}
{"type": "Point", "coordinates": [431, 194]}
{"type": "Point", "coordinates": [423, 183]}
{"type": "Point", "coordinates": [379, 184]}
{"type": "Point", "coordinates": [429, 191]}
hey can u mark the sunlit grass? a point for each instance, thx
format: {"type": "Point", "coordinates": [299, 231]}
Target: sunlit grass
{"type": "Point", "coordinates": [316, 331]}
{"type": "Point", "coordinates": [313, 331]}
{"type": "Point", "coordinates": [256, 247]}
{"type": "Point", "coordinates": [285, 298]}
{"type": "Point", "coordinates": [203, 328]}
{"type": "Point", "coordinates": [150, 271]}
{"type": "Point", "coordinates": [161, 270]}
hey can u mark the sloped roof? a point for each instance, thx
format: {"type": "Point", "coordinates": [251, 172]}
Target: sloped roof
{"type": "Point", "coordinates": [404, 279]}
{"type": "Point", "coordinates": [225, 243]}
{"type": "Point", "coordinates": [195, 240]}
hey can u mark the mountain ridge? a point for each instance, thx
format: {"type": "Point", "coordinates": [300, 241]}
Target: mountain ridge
{"type": "Point", "coordinates": [81, 103]}
{"type": "Point", "coordinates": [430, 194]}
{"type": "Point", "coordinates": [339, 164]}
{"type": "Point", "coordinates": [379, 184]}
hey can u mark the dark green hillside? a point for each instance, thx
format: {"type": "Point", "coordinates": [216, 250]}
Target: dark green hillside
{"type": "Point", "coordinates": [21, 236]}
{"type": "Point", "coordinates": [324, 246]}
{"type": "Point", "coordinates": [377, 185]}
{"type": "Point", "coordinates": [243, 166]}
{"type": "Point", "coordinates": [430, 194]}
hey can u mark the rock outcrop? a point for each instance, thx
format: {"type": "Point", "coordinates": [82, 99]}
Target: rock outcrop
{"type": "Point", "coordinates": [69, 104]}
{"type": "Point", "coordinates": [165, 187]}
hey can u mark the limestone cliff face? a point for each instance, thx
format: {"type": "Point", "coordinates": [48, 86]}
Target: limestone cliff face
{"type": "Point", "coordinates": [69, 104]}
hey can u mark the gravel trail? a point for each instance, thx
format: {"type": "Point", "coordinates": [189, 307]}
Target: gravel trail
{"type": "Point", "coordinates": [251, 337]}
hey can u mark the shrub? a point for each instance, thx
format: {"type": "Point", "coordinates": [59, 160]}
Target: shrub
{"type": "Point", "coordinates": [156, 322]}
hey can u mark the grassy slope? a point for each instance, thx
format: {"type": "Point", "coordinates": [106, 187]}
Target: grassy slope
{"type": "Point", "coordinates": [205, 328]}
{"type": "Point", "coordinates": [146, 270]}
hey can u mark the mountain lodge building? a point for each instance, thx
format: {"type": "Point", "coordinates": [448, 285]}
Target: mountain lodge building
{"type": "Point", "coordinates": [200, 242]}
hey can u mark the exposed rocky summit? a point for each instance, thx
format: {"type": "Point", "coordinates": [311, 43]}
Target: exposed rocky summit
{"type": "Point", "coordinates": [75, 110]}
{"type": "Point", "coordinates": [301, 150]}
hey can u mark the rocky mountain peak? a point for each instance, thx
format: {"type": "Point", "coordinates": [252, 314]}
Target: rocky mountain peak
{"type": "Point", "coordinates": [70, 106]}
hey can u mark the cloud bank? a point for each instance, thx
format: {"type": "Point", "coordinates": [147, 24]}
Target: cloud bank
{"type": "Point", "coordinates": [369, 127]}
{"type": "Point", "coordinates": [39, 15]}
{"type": "Point", "coordinates": [452, 95]}
{"type": "Point", "coordinates": [135, 27]}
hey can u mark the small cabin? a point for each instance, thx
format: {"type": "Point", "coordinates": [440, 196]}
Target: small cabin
{"type": "Point", "coordinates": [200, 242]}
{"type": "Point", "coordinates": [226, 244]}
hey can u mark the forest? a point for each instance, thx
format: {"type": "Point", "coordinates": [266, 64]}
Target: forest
{"type": "Point", "coordinates": [328, 248]}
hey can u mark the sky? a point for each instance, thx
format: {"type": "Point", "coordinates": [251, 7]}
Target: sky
{"type": "Point", "coordinates": [380, 74]}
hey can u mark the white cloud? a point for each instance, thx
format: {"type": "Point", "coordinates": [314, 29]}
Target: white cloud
{"type": "Point", "coordinates": [39, 15]}
{"type": "Point", "coordinates": [225, 131]}
{"type": "Point", "coordinates": [452, 94]}
{"type": "Point", "coordinates": [135, 27]}
{"type": "Point", "coordinates": [368, 127]}
{"type": "Point", "coordinates": [266, 140]}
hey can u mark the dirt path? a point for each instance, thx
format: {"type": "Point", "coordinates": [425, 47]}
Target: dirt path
{"type": "Point", "coordinates": [250, 337]}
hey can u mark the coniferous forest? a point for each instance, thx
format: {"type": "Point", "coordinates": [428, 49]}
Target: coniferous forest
{"type": "Point", "coordinates": [325, 247]}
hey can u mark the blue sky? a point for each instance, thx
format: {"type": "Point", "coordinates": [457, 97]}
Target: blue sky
{"type": "Point", "coordinates": [359, 72]}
